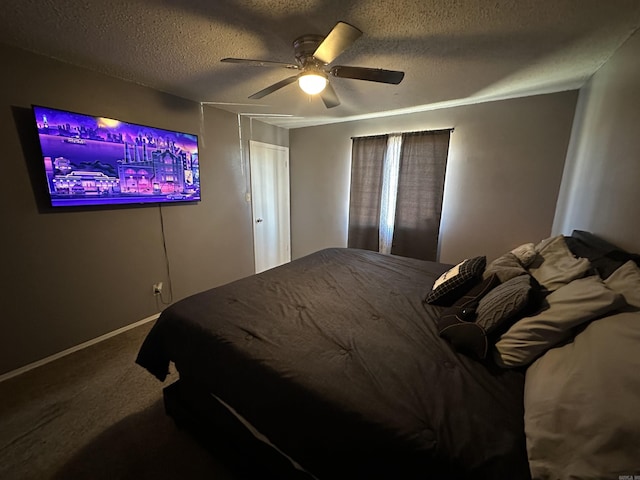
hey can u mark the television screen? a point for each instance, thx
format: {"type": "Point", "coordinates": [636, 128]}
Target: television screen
{"type": "Point", "coordinates": [101, 161]}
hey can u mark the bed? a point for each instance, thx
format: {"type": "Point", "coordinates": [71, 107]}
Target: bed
{"type": "Point", "coordinates": [352, 364]}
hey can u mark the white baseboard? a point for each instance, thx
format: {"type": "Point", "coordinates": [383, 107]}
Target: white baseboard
{"type": "Point", "coordinates": [56, 356]}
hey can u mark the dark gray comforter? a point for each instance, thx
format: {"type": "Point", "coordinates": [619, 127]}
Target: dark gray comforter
{"type": "Point", "coordinates": [337, 360]}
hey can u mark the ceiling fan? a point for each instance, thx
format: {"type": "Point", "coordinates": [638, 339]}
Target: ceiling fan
{"type": "Point", "coordinates": [313, 54]}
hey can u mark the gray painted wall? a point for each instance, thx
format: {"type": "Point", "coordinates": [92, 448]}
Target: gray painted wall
{"type": "Point", "coordinates": [601, 184]}
{"type": "Point", "coordinates": [72, 276]}
{"type": "Point", "coordinates": [504, 171]}
{"type": "Point", "coordinates": [69, 277]}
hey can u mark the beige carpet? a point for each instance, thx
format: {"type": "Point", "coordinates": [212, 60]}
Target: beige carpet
{"type": "Point", "coordinates": [95, 414]}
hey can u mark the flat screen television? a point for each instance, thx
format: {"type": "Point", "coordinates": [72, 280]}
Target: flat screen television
{"type": "Point", "coordinates": [91, 161]}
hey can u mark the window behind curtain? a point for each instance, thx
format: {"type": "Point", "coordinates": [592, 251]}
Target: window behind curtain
{"type": "Point", "coordinates": [418, 167]}
{"type": "Point", "coordinates": [389, 192]}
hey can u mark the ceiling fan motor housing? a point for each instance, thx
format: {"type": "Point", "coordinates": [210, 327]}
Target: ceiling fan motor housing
{"type": "Point", "coordinates": [304, 47]}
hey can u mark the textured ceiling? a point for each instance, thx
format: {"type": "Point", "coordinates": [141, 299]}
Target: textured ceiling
{"type": "Point", "coordinates": [453, 51]}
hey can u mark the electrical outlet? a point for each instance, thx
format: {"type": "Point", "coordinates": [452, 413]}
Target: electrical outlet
{"type": "Point", "coordinates": [157, 288]}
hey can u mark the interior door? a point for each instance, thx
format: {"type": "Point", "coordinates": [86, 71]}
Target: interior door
{"type": "Point", "coordinates": [270, 205]}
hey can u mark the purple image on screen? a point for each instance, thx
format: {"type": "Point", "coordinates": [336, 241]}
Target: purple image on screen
{"type": "Point", "coordinates": [101, 161]}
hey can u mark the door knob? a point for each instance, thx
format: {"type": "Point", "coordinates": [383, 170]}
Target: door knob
{"type": "Point", "coordinates": [258, 220]}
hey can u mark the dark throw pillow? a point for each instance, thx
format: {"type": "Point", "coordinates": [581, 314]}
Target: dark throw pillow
{"type": "Point", "coordinates": [457, 323]}
{"type": "Point", "coordinates": [456, 281]}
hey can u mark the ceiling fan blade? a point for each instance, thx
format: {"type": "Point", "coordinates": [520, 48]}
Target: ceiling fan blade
{"type": "Point", "coordinates": [329, 97]}
{"type": "Point", "coordinates": [260, 63]}
{"type": "Point", "coordinates": [337, 41]}
{"type": "Point", "coordinates": [276, 86]}
{"type": "Point", "coordinates": [370, 74]}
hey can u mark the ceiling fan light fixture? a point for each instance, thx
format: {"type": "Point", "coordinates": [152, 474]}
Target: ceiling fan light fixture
{"type": "Point", "coordinates": [312, 82]}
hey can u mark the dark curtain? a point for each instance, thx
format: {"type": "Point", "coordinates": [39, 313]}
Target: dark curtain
{"type": "Point", "coordinates": [367, 159]}
{"type": "Point", "coordinates": [423, 162]}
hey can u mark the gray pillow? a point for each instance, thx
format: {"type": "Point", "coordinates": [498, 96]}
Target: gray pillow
{"type": "Point", "coordinates": [525, 253]}
{"type": "Point", "coordinates": [581, 415]}
{"type": "Point", "coordinates": [626, 281]}
{"type": "Point", "coordinates": [505, 267]}
{"type": "Point", "coordinates": [569, 306]}
{"type": "Point", "coordinates": [555, 265]}
{"type": "Point", "coordinates": [503, 303]}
